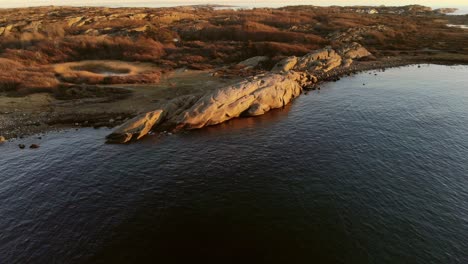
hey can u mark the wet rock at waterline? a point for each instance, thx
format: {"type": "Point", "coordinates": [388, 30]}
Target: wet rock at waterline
{"type": "Point", "coordinates": [248, 98]}
{"type": "Point", "coordinates": [252, 97]}
{"type": "Point", "coordinates": [136, 127]}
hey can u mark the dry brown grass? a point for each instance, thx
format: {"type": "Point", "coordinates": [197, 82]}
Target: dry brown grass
{"type": "Point", "coordinates": [106, 72]}
{"type": "Point", "coordinates": [16, 78]}
{"type": "Point", "coordinates": [206, 39]}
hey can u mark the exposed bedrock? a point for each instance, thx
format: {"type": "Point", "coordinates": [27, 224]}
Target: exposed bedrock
{"type": "Point", "coordinates": [253, 62]}
{"type": "Point", "coordinates": [252, 97]}
{"type": "Point", "coordinates": [136, 127]}
{"type": "Point", "coordinates": [248, 98]}
{"type": "Point", "coordinates": [323, 60]}
{"type": "Point", "coordinates": [285, 65]}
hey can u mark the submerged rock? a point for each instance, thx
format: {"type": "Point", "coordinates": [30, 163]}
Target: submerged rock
{"type": "Point", "coordinates": [136, 127]}
{"type": "Point", "coordinates": [34, 146]}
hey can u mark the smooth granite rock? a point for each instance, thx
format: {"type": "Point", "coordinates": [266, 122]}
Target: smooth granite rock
{"type": "Point", "coordinates": [248, 98]}
{"type": "Point", "coordinates": [285, 65]}
{"type": "Point", "coordinates": [136, 127]}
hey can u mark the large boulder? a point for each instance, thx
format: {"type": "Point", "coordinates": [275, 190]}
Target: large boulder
{"type": "Point", "coordinates": [34, 26]}
{"type": "Point", "coordinates": [74, 20]}
{"type": "Point", "coordinates": [248, 98]}
{"type": "Point", "coordinates": [136, 128]}
{"type": "Point", "coordinates": [139, 16]}
{"type": "Point", "coordinates": [253, 62]}
{"type": "Point", "coordinates": [353, 51]}
{"type": "Point", "coordinates": [251, 97]}
{"type": "Point", "coordinates": [5, 31]}
{"type": "Point", "coordinates": [325, 59]}
{"type": "Point", "coordinates": [285, 64]}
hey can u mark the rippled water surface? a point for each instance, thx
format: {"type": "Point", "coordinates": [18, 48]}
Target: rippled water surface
{"type": "Point", "coordinates": [374, 173]}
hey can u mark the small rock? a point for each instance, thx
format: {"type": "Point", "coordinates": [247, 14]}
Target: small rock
{"type": "Point", "coordinates": [21, 146]}
{"type": "Point", "coordinates": [254, 62]}
{"type": "Point", "coordinates": [111, 120]}
{"type": "Point", "coordinates": [2, 139]}
{"type": "Point", "coordinates": [34, 146]}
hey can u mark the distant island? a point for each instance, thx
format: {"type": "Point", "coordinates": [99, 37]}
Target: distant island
{"type": "Point", "coordinates": [171, 69]}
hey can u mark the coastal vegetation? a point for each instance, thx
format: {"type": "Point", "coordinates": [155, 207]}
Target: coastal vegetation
{"type": "Point", "coordinates": [103, 54]}
{"type": "Point", "coordinates": [203, 38]}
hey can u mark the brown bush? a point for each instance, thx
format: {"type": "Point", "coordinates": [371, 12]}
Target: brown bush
{"type": "Point", "coordinates": [277, 49]}
{"type": "Point", "coordinates": [237, 33]}
{"type": "Point", "coordinates": [77, 78]}
{"type": "Point", "coordinates": [91, 48]}
{"type": "Point", "coordinates": [19, 79]}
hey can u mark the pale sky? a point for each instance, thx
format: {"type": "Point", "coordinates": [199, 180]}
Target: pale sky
{"type": "Point", "coordinates": [272, 3]}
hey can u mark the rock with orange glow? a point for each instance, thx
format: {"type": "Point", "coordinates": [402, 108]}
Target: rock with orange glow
{"type": "Point", "coordinates": [248, 98]}
{"type": "Point", "coordinates": [136, 127]}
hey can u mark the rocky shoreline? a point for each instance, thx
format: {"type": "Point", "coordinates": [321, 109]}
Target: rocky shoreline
{"type": "Point", "coordinates": [72, 67]}
{"type": "Point", "coordinates": [253, 96]}
{"type": "Point", "coordinates": [25, 126]}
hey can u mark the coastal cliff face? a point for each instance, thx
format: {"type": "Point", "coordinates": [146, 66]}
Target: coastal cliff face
{"type": "Point", "coordinates": [251, 97]}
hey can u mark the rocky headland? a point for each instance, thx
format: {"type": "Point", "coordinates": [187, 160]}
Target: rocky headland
{"type": "Point", "coordinates": [172, 69]}
{"type": "Point", "coordinates": [252, 97]}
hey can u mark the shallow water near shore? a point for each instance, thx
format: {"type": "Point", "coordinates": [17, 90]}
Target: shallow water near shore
{"type": "Point", "coordinates": [370, 169]}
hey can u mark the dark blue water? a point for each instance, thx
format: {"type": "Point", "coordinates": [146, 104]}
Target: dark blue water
{"type": "Point", "coordinates": [374, 173]}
